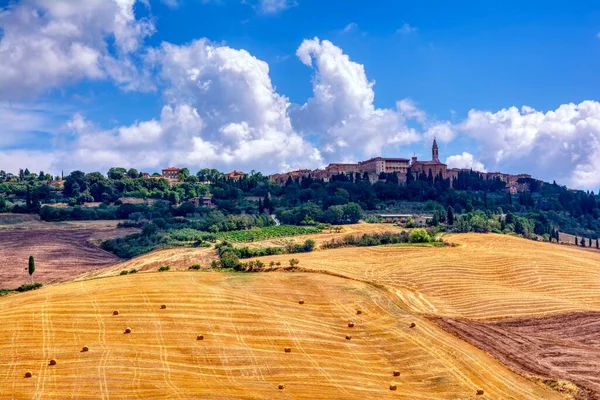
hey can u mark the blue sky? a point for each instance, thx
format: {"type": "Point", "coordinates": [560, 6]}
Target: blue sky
{"type": "Point", "coordinates": [281, 84]}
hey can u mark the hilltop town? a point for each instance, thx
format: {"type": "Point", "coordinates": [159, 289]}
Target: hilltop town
{"type": "Point", "coordinates": [375, 168]}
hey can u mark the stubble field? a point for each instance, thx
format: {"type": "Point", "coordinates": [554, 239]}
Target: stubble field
{"type": "Point", "coordinates": [247, 321]}
{"type": "Point", "coordinates": [514, 318]}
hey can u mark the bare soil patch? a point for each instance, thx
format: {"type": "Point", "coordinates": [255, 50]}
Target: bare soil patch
{"type": "Point", "coordinates": [561, 346]}
{"type": "Point", "coordinates": [60, 253]}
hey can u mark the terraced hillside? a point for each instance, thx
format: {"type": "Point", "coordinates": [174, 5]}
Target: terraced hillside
{"type": "Point", "coordinates": [246, 320]}
{"type": "Point", "coordinates": [486, 276]}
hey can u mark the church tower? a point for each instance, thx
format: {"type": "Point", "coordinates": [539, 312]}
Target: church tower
{"type": "Point", "coordinates": [434, 151]}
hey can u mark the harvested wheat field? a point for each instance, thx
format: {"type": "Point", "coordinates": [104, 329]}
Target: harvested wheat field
{"type": "Point", "coordinates": [177, 259]}
{"type": "Point", "coordinates": [486, 276]}
{"type": "Point", "coordinates": [246, 322]}
{"type": "Point", "coordinates": [182, 258]}
{"type": "Point", "coordinates": [60, 253]}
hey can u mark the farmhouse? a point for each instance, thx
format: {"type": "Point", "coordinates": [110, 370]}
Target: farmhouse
{"type": "Point", "coordinates": [235, 175]}
{"type": "Point", "coordinates": [170, 173]}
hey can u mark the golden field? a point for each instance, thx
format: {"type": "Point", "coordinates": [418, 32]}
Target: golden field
{"type": "Point", "coordinates": [485, 276]}
{"type": "Point", "coordinates": [182, 258]}
{"type": "Point", "coordinates": [247, 321]}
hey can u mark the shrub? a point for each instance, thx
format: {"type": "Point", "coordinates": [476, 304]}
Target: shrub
{"type": "Point", "coordinates": [28, 286]}
{"type": "Point", "coordinates": [133, 271]}
{"type": "Point", "coordinates": [294, 262]}
{"type": "Point", "coordinates": [195, 267]}
{"type": "Point", "coordinates": [124, 272]}
{"type": "Point", "coordinates": [419, 235]}
{"type": "Point", "coordinates": [163, 268]}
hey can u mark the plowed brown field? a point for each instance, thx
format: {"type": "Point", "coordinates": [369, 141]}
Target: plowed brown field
{"type": "Point", "coordinates": [247, 320]}
{"type": "Point", "coordinates": [60, 253]}
{"type": "Point", "coordinates": [565, 346]}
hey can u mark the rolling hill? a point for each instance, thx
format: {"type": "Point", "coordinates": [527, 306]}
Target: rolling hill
{"type": "Point", "coordinates": [247, 321]}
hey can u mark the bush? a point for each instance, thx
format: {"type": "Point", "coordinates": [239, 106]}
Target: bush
{"type": "Point", "coordinates": [29, 286]}
{"type": "Point", "coordinates": [294, 262]}
{"type": "Point", "coordinates": [419, 235]}
{"type": "Point", "coordinates": [374, 239]}
{"type": "Point", "coordinates": [124, 272]}
{"type": "Point", "coordinates": [163, 268]}
{"type": "Point", "coordinates": [195, 267]}
{"type": "Point", "coordinates": [133, 271]}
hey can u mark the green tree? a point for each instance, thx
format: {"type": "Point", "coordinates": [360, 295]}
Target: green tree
{"type": "Point", "coordinates": [31, 269]}
{"type": "Point", "coordinates": [133, 173]}
{"type": "Point", "coordinates": [352, 213]}
{"type": "Point", "coordinates": [469, 206]}
{"type": "Point", "coordinates": [450, 216]}
{"type": "Point", "coordinates": [419, 235]}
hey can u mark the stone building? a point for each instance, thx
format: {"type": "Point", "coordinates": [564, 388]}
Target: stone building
{"type": "Point", "coordinates": [434, 166]}
{"type": "Point", "coordinates": [340, 168]}
{"type": "Point", "coordinates": [378, 165]}
{"type": "Point", "coordinates": [170, 173]}
{"type": "Point", "coordinates": [235, 175]}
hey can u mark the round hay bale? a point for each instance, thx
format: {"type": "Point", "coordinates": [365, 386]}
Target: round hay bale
{"type": "Point", "coordinates": [288, 349]}
{"type": "Point", "coordinates": [358, 312]}
{"type": "Point", "coordinates": [301, 302]}
{"type": "Point", "coordinates": [281, 387]}
{"type": "Point", "coordinates": [128, 330]}
{"type": "Point", "coordinates": [28, 374]}
{"type": "Point", "coordinates": [53, 362]}
{"type": "Point", "coordinates": [393, 387]}
{"type": "Point", "coordinates": [163, 307]}
{"type": "Point", "coordinates": [200, 337]}
{"type": "Point", "coordinates": [412, 324]}
{"type": "Point", "coordinates": [116, 312]}
{"type": "Point", "coordinates": [479, 392]}
{"type": "Point", "coordinates": [84, 349]}
{"type": "Point", "coordinates": [348, 337]}
{"type": "Point", "coordinates": [350, 324]}
{"type": "Point", "coordinates": [396, 373]}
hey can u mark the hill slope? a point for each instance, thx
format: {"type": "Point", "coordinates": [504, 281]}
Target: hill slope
{"type": "Point", "coordinates": [486, 276]}
{"type": "Point", "coordinates": [247, 320]}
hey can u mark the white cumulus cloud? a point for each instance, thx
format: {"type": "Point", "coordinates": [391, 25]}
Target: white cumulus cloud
{"type": "Point", "coordinates": [46, 44]}
{"type": "Point", "coordinates": [465, 160]}
{"type": "Point", "coordinates": [561, 144]}
{"type": "Point", "coordinates": [222, 112]}
{"type": "Point", "coordinates": [342, 109]}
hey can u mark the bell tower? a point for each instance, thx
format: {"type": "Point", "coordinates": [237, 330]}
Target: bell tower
{"type": "Point", "coordinates": [434, 151]}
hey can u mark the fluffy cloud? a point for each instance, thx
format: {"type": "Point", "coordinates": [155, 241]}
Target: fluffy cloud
{"type": "Point", "coordinates": [49, 43]}
{"type": "Point", "coordinates": [342, 110]}
{"type": "Point", "coordinates": [465, 160]}
{"type": "Point", "coordinates": [563, 144]}
{"type": "Point", "coordinates": [222, 112]}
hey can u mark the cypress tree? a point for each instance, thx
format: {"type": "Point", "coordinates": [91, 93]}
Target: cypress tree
{"type": "Point", "coordinates": [450, 216]}
{"type": "Point", "coordinates": [261, 208]}
{"type": "Point", "coordinates": [31, 266]}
